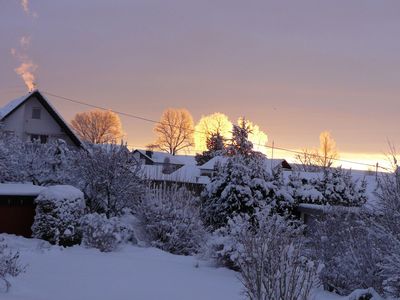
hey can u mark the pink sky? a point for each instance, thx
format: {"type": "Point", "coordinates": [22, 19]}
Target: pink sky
{"type": "Point", "coordinates": [295, 68]}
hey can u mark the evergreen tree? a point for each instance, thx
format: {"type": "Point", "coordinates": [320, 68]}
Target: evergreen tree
{"type": "Point", "coordinates": [215, 147]}
{"type": "Point", "coordinates": [243, 184]}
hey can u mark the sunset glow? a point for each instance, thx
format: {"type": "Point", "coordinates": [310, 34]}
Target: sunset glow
{"type": "Point", "coordinates": [267, 61]}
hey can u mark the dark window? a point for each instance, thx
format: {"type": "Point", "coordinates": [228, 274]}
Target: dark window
{"type": "Point", "coordinates": [34, 137]}
{"type": "Point", "coordinates": [43, 139]}
{"type": "Point", "coordinates": [39, 137]}
{"type": "Point", "coordinates": [36, 111]}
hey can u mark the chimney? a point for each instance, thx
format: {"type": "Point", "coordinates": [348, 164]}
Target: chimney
{"type": "Point", "coordinates": [149, 153]}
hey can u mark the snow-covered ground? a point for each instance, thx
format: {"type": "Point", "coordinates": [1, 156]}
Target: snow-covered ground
{"type": "Point", "coordinates": [77, 273]}
{"type": "Point", "coordinates": [56, 273]}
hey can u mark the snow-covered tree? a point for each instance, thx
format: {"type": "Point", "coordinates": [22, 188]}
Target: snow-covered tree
{"type": "Point", "coordinates": [10, 265]}
{"type": "Point", "coordinates": [268, 252]}
{"type": "Point", "coordinates": [240, 186]}
{"type": "Point", "coordinates": [215, 147]}
{"type": "Point", "coordinates": [170, 219]}
{"type": "Point", "coordinates": [240, 143]}
{"type": "Point", "coordinates": [338, 188]}
{"type": "Point", "coordinates": [335, 187]}
{"type": "Point", "coordinates": [109, 177]}
{"type": "Point", "coordinates": [104, 233]}
{"type": "Point", "coordinates": [58, 213]}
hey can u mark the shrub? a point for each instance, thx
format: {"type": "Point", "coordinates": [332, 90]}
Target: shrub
{"type": "Point", "coordinates": [348, 247]}
{"type": "Point", "coordinates": [171, 221]}
{"type": "Point", "coordinates": [268, 253]}
{"type": "Point", "coordinates": [58, 212]}
{"type": "Point", "coordinates": [104, 234]}
{"type": "Point", "coordinates": [10, 265]}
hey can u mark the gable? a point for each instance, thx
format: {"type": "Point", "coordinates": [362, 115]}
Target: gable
{"type": "Point", "coordinates": [18, 115]}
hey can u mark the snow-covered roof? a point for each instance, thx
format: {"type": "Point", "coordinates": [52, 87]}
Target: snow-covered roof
{"type": "Point", "coordinates": [211, 164]}
{"type": "Point", "coordinates": [61, 192]}
{"type": "Point", "coordinates": [10, 106]}
{"type": "Point", "coordinates": [159, 157]}
{"type": "Point", "coordinates": [20, 189]}
{"type": "Point", "coordinates": [185, 174]}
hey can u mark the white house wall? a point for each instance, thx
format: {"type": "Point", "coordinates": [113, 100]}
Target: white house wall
{"type": "Point", "coordinates": [20, 122]}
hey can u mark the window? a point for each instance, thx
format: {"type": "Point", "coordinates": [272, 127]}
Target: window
{"type": "Point", "coordinates": [36, 111]}
{"type": "Point", "coordinates": [39, 138]}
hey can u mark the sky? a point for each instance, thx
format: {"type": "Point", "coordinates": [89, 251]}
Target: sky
{"type": "Point", "coordinates": [295, 68]}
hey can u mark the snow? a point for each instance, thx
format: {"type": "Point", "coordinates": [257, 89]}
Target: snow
{"type": "Point", "coordinates": [186, 174]}
{"type": "Point", "coordinates": [61, 192]}
{"type": "Point", "coordinates": [20, 189]}
{"type": "Point", "coordinates": [131, 273]}
{"type": "Point", "coordinates": [159, 157]}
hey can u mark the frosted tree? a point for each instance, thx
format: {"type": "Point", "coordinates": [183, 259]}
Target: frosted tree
{"type": "Point", "coordinates": [109, 177]}
{"type": "Point", "coordinates": [242, 184]}
{"type": "Point", "coordinates": [338, 188]}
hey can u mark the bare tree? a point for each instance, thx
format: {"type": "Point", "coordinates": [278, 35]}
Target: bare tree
{"type": "Point", "coordinates": [98, 126]}
{"type": "Point", "coordinates": [174, 131]}
{"type": "Point", "coordinates": [324, 157]}
{"type": "Point", "coordinates": [327, 150]}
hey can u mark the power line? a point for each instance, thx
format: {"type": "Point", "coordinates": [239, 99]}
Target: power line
{"type": "Point", "coordinates": [196, 131]}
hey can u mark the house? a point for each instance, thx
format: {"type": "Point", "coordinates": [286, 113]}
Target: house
{"type": "Point", "coordinates": [169, 163]}
{"type": "Point", "coordinates": [17, 207]}
{"type": "Point", "coordinates": [32, 117]}
{"type": "Point", "coordinates": [209, 167]}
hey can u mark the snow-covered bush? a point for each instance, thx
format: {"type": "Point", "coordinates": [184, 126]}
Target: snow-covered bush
{"type": "Point", "coordinates": [104, 233]}
{"type": "Point", "coordinates": [348, 247]}
{"type": "Point", "coordinates": [240, 186]}
{"type": "Point", "coordinates": [386, 227]}
{"type": "Point", "coordinates": [171, 221]}
{"type": "Point", "coordinates": [10, 265]}
{"type": "Point", "coordinates": [268, 253]}
{"type": "Point", "coordinates": [58, 212]}
{"type": "Point", "coordinates": [109, 177]}
{"type": "Point", "coordinates": [335, 187]}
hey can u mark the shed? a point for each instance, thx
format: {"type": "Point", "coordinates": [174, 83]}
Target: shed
{"type": "Point", "coordinates": [17, 207]}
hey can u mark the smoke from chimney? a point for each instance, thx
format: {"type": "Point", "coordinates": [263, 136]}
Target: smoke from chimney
{"type": "Point", "coordinates": [26, 69]}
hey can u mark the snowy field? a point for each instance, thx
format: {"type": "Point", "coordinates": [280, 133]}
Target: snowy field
{"type": "Point", "coordinates": [77, 273]}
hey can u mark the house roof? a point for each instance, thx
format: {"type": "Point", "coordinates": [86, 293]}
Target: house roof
{"type": "Point", "coordinates": [159, 157]}
{"type": "Point", "coordinates": [269, 163]}
{"type": "Point", "coordinates": [185, 174]}
{"type": "Point", "coordinates": [9, 108]}
{"type": "Point", "coordinates": [20, 189]}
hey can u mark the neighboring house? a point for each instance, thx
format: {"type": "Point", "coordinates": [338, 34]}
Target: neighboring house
{"type": "Point", "coordinates": [17, 207]}
{"type": "Point", "coordinates": [209, 167]}
{"type": "Point", "coordinates": [169, 163]}
{"type": "Point", "coordinates": [32, 117]}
